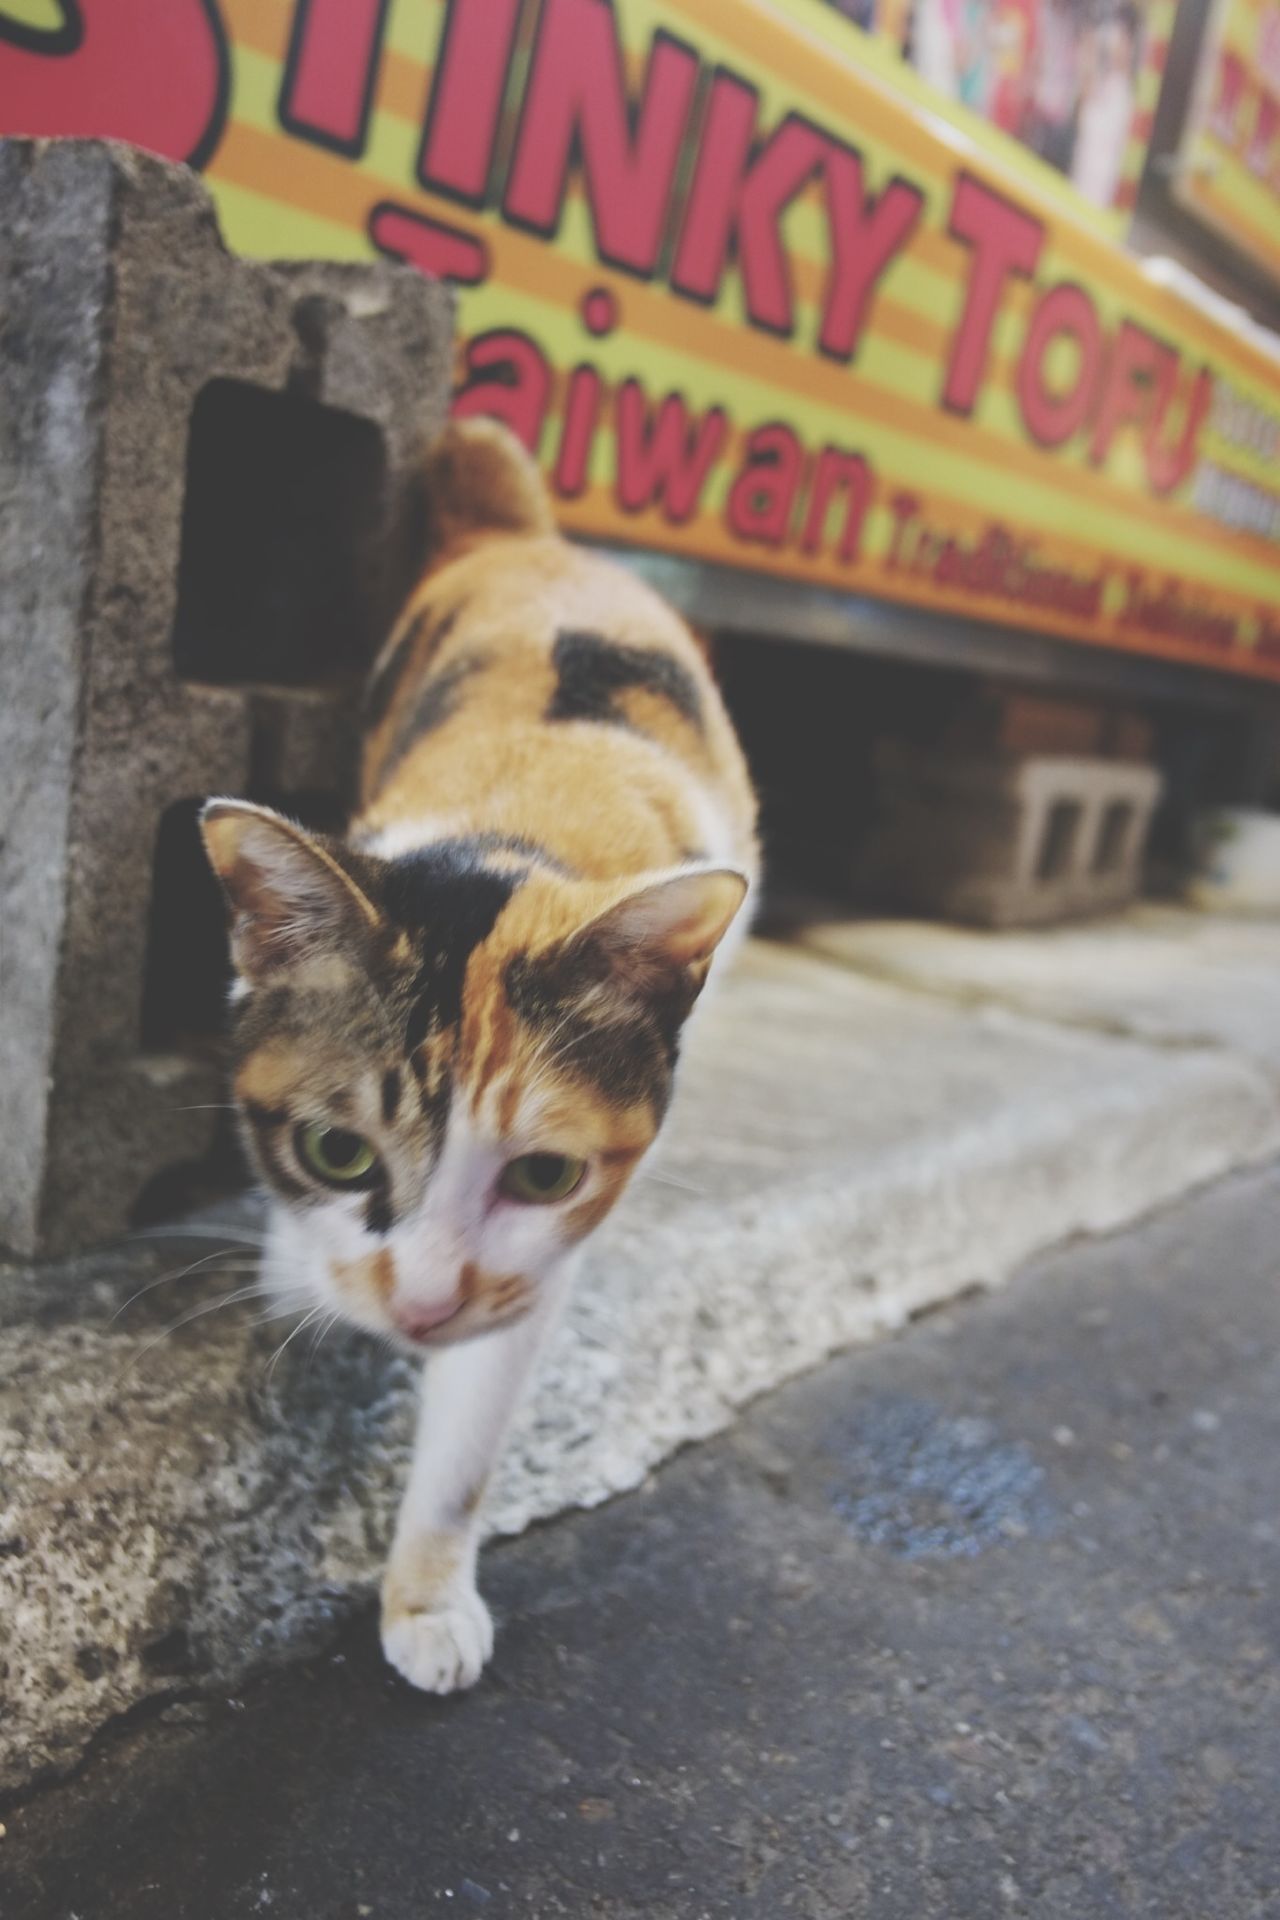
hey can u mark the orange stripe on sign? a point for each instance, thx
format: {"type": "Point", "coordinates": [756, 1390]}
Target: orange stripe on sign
{"type": "Point", "coordinates": [262, 25]}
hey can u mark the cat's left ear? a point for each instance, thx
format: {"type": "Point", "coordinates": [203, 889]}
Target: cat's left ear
{"type": "Point", "coordinates": [669, 927]}
{"type": "Point", "coordinates": [290, 899]}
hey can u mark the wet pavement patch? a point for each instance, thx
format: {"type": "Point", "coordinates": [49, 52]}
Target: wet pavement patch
{"type": "Point", "coordinates": [928, 1485]}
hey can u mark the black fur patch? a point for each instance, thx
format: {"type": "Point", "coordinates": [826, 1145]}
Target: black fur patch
{"type": "Point", "coordinates": [390, 1094]}
{"type": "Point", "coordinates": [381, 690]}
{"type": "Point", "coordinates": [516, 846]}
{"type": "Point", "coordinates": [438, 701]}
{"type": "Point", "coordinates": [624, 1043]}
{"type": "Point", "coordinates": [447, 894]}
{"type": "Point", "coordinates": [378, 1217]}
{"type": "Point", "coordinates": [591, 672]}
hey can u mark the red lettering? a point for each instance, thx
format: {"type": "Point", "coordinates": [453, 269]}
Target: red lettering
{"type": "Point", "coordinates": [1005, 241]}
{"type": "Point", "coordinates": [1140, 388]}
{"type": "Point", "coordinates": [1233, 79]}
{"type": "Point", "coordinates": [905, 507]}
{"type": "Point", "coordinates": [739, 196]}
{"type": "Point", "coordinates": [153, 72]}
{"type": "Point", "coordinates": [1260, 154]}
{"type": "Point", "coordinates": [1065, 312]}
{"type": "Point", "coordinates": [664, 462]}
{"type": "Point", "coordinates": [783, 166]}
{"type": "Point", "coordinates": [330, 71]}
{"type": "Point", "coordinates": [728, 129]}
{"type": "Point", "coordinates": [440, 251]}
{"type": "Point", "coordinates": [467, 88]}
{"type": "Point", "coordinates": [836, 470]}
{"type": "Point", "coordinates": [581, 417]}
{"type": "Point", "coordinates": [1140, 365]}
{"type": "Point", "coordinates": [867, 233]}
{"type": "Point", "coordinates": [508, 377]}
{"type": "Point", "coordinates": [1168, 466]}
{"type": "Point", "coordinates": [764, 493]}
{"type": "Point", "coordinates": [576, 101]}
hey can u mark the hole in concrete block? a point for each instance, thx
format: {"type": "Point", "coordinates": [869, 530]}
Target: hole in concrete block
{"type": "Point", "coordinates": [1113, 837]}
{"type": "Point", "coordinates": [171, 1653]}
{"type": "Point", "coordinates": [280, 577]}
{"type": "Point", "coordinates": [187, 971]}
{"type": "Point", "coordinates": [190, 1184]}
{"type": "Point", "coordinates": [1058, 842]}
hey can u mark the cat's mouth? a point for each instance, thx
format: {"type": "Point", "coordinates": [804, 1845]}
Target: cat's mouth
{"type": "Point", "coordinates": [425, 1326]}
{"type": "Point", "coordinates": [463, 1320]}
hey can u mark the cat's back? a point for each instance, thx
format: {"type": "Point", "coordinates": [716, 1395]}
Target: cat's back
{"type": "Point", "coordinates": [539, 690]}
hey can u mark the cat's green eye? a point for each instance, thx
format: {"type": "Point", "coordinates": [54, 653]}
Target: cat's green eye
{"type": "Point", "coordinates": [540, 1178]}
{"type": "Point", "coordinates": [339, 1158]}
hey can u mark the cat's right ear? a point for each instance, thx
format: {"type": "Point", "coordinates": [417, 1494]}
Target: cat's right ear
{"type": "Point", "coordinates": [290, 899]}
{"type": "Point", "coordinates": [479, 480]}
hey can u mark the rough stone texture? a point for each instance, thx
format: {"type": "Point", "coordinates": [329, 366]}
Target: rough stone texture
{"type": "Point", "coordinates": [841, 1155]}
{"type": "Point", "coordinates": [118, 307]}
{"type": "Point", "coordinates": [1158, 974]}
{"type": "Point", "coordinates": [980, 1623]}
{"type": "Point", "coordinates": [1006, 840]}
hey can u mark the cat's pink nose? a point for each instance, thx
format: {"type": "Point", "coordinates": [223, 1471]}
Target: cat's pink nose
{"type": "Point", "coordinates": [417, 1322]}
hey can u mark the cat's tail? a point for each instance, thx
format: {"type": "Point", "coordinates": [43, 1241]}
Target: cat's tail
{"type": "Point", "coordinates": [480, 481]}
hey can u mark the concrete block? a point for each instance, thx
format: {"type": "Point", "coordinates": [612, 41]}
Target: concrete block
{"type": "Point", "coordinates": [1004, 841]}
{"type": "Point", "coordinates": [206, 502]}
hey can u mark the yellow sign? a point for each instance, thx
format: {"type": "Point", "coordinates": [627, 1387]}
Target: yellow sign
{"type": "Point", "coordinates": [745, 303]}
{"type": "Point", "coordinates": [1229, 164]}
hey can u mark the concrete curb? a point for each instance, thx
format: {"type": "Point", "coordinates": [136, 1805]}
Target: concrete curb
{"type": "Point", "coordinates": [843, 1154]}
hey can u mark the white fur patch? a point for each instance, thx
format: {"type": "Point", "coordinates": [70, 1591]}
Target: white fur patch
{"type": "Point", "coordinates": [407, 836]}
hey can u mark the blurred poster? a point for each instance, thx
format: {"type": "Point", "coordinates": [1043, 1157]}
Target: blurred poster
{"type": "Point", "coordinates": [1229, 165]}
{"type": "Point", "coordinates": [1075, 82]}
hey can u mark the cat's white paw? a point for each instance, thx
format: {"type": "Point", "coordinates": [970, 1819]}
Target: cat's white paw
{"type": "Point", "coordinates": [442, 1650]}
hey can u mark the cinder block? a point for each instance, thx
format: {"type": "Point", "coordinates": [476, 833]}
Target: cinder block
{"type": "Point", "coordinates": [1008, 841]}
{"type": "Point", "coordinates": [206, 518]}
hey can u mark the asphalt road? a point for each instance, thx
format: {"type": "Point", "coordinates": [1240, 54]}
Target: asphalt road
{"type": "Point", "coordinates": [981, 1622]}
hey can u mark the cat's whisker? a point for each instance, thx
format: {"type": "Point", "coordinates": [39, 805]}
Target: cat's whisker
{"type": "Point", "coordinates": [669, 1180]}
{"type": "Point", "coordinates": [317, 1338]}
{"type": "Point", "coordinates": [306, 1321]}
{"type": "Point", "coordinates": [226, 1233]}
{"type": "Point", "coordinates": [285, 1311]}
{"type": "Point", "coordinates": [188, 1319]}
{"type": "Point", "coordinates": [184, 1273]}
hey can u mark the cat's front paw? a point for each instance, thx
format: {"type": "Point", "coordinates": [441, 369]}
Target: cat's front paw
{"type": "Point", "coordinates": [442, 1648]}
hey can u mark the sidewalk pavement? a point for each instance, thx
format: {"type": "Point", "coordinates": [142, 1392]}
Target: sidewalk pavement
{"type": "Point", "coordinates": [978, 1624]}
{"type": "Point", "coordinates": [871, 1122]}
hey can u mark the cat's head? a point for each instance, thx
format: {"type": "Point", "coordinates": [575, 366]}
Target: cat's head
{"type": "Point", "coordinates": [448, 1064]}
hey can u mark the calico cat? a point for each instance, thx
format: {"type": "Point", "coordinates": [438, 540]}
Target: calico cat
{"type": "Point", "coordinates": [454, 1032]}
